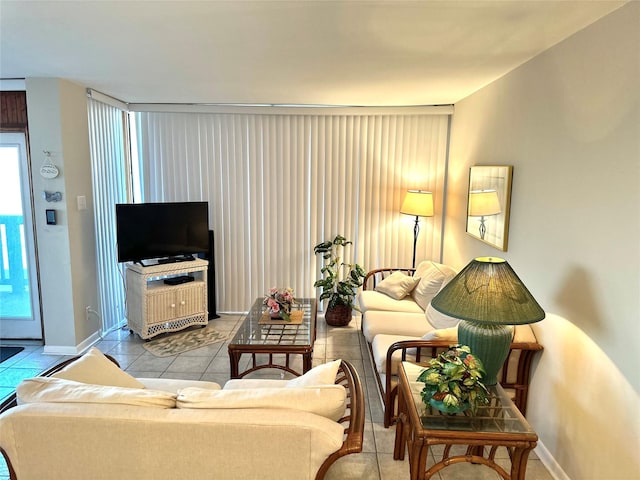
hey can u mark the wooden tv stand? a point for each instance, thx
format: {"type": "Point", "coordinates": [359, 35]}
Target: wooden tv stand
{"type": "Point", "coordinates": [154, 307]}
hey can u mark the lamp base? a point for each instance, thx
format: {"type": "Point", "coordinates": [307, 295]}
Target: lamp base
{"type": "Point", "coordinates": [490, 343]}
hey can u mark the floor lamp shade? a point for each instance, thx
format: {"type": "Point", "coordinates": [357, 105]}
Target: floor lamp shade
{"type": "Point", "coordinates": [420, 204]}
{"type": "Point", "coordinates": [488, 297]}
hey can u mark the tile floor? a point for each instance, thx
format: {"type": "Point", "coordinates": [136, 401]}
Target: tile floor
{"type": "Point", "coordinates": [212, 363]}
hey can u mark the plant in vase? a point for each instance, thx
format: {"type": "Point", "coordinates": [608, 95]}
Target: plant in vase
{"type": "Point", "coordinates": [279, 302]}
{"type": "Point", "coordinates": [452, 381]}
{"type": "Point", "coordinates": [339, 281]}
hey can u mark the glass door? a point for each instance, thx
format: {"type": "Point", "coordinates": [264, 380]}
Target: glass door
{"type": "Point", "coordinates": [19, 293]}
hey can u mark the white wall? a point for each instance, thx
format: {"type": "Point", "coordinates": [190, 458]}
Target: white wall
{"type": "Point", "coordinates": [569, 123]}
{"type": "Point", "coordinates": [57, 112]}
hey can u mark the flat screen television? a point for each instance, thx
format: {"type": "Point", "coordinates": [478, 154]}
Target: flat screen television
{"type": "Point", "coordinates": [165, 231]}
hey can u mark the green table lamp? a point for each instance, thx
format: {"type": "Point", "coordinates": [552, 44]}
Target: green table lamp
{"type": "Point", "coordinates": [488, 297]}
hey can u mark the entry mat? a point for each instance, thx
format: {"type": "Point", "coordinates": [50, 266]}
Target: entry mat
{"type": "Point", "coordinates": [7, 352]}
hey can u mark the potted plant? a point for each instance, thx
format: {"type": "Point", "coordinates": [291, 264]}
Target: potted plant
{"type": "Point", "coordinates": [452, 381]}
{"type": "Point", "coordinates": [339, 281]}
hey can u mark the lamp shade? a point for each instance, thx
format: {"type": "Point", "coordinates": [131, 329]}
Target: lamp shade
{"type": "Point", "coordinates": [483, 203]}
{"type": "Point", "coordinates": [488, 291]}
{"type": "Point", "coordinates": [418, 203]}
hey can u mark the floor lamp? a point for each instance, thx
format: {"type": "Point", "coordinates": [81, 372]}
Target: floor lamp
{"type": "Point", "coordinates": [488, 297]}
{"type": "Point", "coordinates": [420, 204]}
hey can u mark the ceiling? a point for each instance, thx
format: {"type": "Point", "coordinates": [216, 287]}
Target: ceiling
{"type": "Point", "coordinates": [284, 52]}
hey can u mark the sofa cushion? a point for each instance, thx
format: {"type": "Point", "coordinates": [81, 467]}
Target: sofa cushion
{"type": "Point", "coordinates": [380, 347]}
{"type": "Point", "coordinates": [328, 400]}
{"type": "Point", "coordinates": [58, 390]}
{"type": "Point", "coordinates": [370, 300]}
{"type": "Point", "coordinates": [324, 374]}
{"type": "Point", "coordinates": [397, 285]}
{"type": "Point", "coordinates": [174, 384]}
{"type": "Point", "coordinates": [524, 334]}
{"type": "Point", "coordinates": [381, 343]}
{"type": "Point", "coordinates": [433, 276]}
{"type": "Point", "coordinates": [438, 319]}
{"type": "Point", "coordinates": [248, 383]}
{"type": "Point", "coordinates": [394, 323]}
{"type": "Point", "coordinates": [448, 334]}
{"type": "Point", "coordinates": [96, 369]}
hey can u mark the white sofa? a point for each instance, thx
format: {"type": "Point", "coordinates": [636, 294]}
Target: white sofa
{"type": "Point", "coordinates": [168, 429]}
{"type": "Point", "coordinates": [399, 323]}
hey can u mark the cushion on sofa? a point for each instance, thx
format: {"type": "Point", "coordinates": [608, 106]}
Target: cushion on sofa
{"type": "Point", "coordinates": [370, 300]}
{"type": "Point", "coordinates": [438, 319]}
{"type": "Point", "coordinates": [248, 383]}
{"type": "Point", "coordinates": [380, 347]}
{"type": "Point", "coordinates": [324, 374]}
{"type": "Point", "coordinates": [449, 334]}
{"type": "Point", "coordinates": [96, 369]}
{"type": "Point", "coordinates": [382, 342]}
{"type": "Point", "coordinates": [524, 334]}
{"type": "Point", "coordinates": [394, 323]}
{"type": "Point", "coordinates": [433, 276]}
{"type": "Point", "coordinates": [172, 385]}
{"type": "Point", "coordinates": [397, 285]}
{"type": "Point", "coordinates": [327, 400]}
{"type": "Point", "coordinates": [59, 390]}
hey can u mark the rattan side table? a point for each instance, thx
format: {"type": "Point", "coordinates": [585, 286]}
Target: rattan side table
{"type": "Point", "coordinates": [498, 424]}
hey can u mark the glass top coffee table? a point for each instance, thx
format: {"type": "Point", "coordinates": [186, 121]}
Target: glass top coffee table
{"type": "Point", "coordinates": [497, 424]}
{"type": "Point", "coordinates": [281, 338]}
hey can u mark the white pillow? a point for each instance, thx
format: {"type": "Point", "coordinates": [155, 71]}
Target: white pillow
{"type": "Point", "coordinates": [324, 374]}
{"type": "Point", "coordinates": [450, 334]}
{"type": "Point", "coordinates": [58, 390]}
{"type": "Point", "coordinates": [438, 319]}
{"type": "Point", "coordinates": [328, 400]}
{"type": "Point", "coordinates": [94, 368]}
{"type": "Point", "coordinates": [397, 285]}
{"type": "Point", "coordinates": [431, 281]}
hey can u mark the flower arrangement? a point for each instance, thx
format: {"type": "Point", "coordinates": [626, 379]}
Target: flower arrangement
{"type": "Point", "coordinates": [452, 381]}
{"type": "Point", "coordinates": [279, 302]}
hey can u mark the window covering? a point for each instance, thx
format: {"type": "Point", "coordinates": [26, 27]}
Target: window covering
{"type": "Point", "coordinates": [277, 184]}
{"type": "Point", "coordinates": [108, 138]}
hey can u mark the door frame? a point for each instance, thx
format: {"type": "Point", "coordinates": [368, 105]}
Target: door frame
{"type": "Point", "coordinates": [31, 241]}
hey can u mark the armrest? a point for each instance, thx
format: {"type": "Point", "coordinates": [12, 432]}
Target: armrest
{"type": "Point", "coordinates": [427, 349]}
{"type": "Point", "coordinates": [373, 277]}
{"type": "Point", "coordinates": [353, 420]}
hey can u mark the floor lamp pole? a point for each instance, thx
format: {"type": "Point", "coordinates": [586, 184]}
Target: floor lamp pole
{"type": "Point", "coordinates": [416, 231]}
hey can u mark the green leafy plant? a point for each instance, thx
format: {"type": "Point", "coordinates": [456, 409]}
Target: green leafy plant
{"type": "Point", "coordinates": [339, 279]}
{"type": "Point", "coordinates": [452, 381]}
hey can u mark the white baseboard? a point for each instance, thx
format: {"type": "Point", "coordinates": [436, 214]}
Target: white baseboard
{"type": "Point", "coordinates": [550, 463]}
{"type": "Point", "coordinates": [77, 350]}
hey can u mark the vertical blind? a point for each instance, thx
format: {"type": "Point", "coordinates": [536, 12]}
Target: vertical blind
{"type": "Point", "coordinates": [278, 184]}
{"type": "Point", "coordinates": [108, 138]}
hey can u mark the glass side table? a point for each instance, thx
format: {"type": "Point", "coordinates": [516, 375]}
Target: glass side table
{"type": "Point", "coordinates": [497, 424]}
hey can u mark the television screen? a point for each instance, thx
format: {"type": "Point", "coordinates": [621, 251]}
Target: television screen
{"type": "Point", "coordinates": [161, 230]}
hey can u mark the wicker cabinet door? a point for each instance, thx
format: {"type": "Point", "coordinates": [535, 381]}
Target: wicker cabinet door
{"type": "Point", "coordinates": [162, 306]}
{"type": "Point", "coordinates": [191, 300]}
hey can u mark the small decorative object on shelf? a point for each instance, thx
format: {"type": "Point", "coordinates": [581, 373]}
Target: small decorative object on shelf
{"type": "Point", "coordinates": [279, 302]}
{"type": "Point", "coordinates": [452, 381]}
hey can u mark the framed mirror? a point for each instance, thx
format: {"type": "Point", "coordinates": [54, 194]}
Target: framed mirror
{"type": "Point", "coordinates": [488, 204]}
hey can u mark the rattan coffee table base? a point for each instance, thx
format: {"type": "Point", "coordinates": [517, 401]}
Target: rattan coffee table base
{"type": "Point", "coordinates": [269, 343]}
